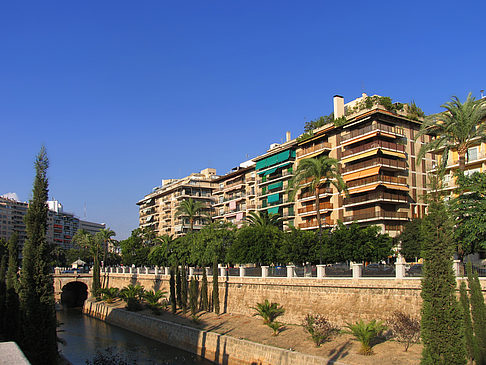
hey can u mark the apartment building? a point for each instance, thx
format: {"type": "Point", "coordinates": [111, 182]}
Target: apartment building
{"type": "Point", "coordinates": [157, 210]}
{"type": "Point", "coordinates": [377, 153]}
{"type": "Point", "coordinates": [274, 170]}
{"type": "Point", "coordinates": [235, 195]}
{"type": "Point", "coordinates": [61, 226]}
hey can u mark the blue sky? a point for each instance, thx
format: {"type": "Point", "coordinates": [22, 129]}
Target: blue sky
{"type": "Point", "coordinates": [125, 93]}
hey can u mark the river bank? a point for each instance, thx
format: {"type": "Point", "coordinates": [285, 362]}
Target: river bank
{"type": "Point", "coordinates": [238, 339]}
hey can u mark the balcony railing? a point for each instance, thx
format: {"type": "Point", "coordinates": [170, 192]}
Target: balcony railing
{"type": "Point", "coordinates": [376, 127]}
{"type": "Point", "coordinates": [312, 208]}
{"type": "Point", "coordinates": [376, 214]}
{"type": "Point", "coordinates": [375, 144]}
{"type": "Point", "coordinates": [388, 162]}
{"type": "Point", "coordinates": [325, 222]}
{"type": "Point", "coordinates": [311, 194]}
{"type": "Point", "coordinates": [278, 202]}
{"type": "Point", "coordinates": [270, 178]}
{"type": "Point", "coordinates": [318, 147]}
{"type": "Point", "coordinates": [377, 178]}
{"type": "Point", "coordinates": [376, 196]}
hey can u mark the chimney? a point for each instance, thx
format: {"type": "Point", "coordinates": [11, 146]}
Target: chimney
{"type": "Point", "coordinates": [287, 136]}
{"type": "Point", "coordinates": [338, 106]}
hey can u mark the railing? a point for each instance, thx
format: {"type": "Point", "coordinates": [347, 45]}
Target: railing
{"type": "Point", "coordinates": [376, 127]}
{"type": "Point", "coordinates": [399, 164]}
{"type": "Point", "coordinates": [377, 196]}
{"type": "Point", "coordinates": [315, 148]}
{"type": "Point", "coordinates": [312, 208]}
{"type": "Point", "coordinates": [377, 178]}
{"type": "Point", "coordinates": [278, 202]}
{"type": "Point", "coordinates": [376, 214]}
{"type": "Point", "coordinates": [311, 194]}
{"type": "Point", "coordinates": [270, 178]}
{"type": "Point", "coordinates": [325, 222]}
{"type": "Point", "coordinates": [376, 144]}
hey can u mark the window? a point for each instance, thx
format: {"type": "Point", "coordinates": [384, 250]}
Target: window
{"type": "Point", "coordinates": [472, 154]}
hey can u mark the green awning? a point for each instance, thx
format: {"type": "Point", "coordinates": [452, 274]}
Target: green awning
{"type": "Point", "coordinates": [275, 185]}
{"type": "Point", "coordinates": [275, 159]}
{"type": "Point", "coordinates": [273, 198]}
{"type": "Point", "coordinates": [261, 164]}
{"type": "Point", "coordinates": [273, 210]}
{"type": "Point", "coordinates": [268, 172]}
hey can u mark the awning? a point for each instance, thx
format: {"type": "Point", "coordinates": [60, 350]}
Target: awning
{"type": "Point", "coordinates": [268, 172]}
{"type": "Point", "coordinates": [273, 198]}
{"type": "Point", "coordinates": [275, 185]}
{"type": "Point", "coordinates": [363, 173]}
{"type": "Point", "coordinates": [273, 210]}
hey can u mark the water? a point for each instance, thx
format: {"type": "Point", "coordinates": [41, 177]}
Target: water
{"type": "Point", "coordinates": [85, 336]}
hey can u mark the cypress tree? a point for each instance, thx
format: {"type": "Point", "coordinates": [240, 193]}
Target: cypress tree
{"type": "Point", "coordinates": [193, 294]}
{"type": "Point", "coordinates": [12, 324]}
{"type": "Point", "coordinates": [215, 286]}
{"type": "Point", "coordinates": [172, 298]}
{"type": "Point", "coordinates": [178, 288]}
{"type": "Point", "coordinates": [442, 320]}
{"type": "Point", "coordinates": [204, 302]}
{"type": "Point", "coordinates": [184, 289]}
{"type": "Point", "coordinates": [36, 294]}
{"type": "Point", "coordinates": [3, 288]}
{"type": "Point", "coordinates": [471, 344]}
{"type": "Point", "coordinates": [478, 313]}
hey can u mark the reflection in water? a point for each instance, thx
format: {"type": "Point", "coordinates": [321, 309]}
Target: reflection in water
{"type": "Point", "coordinates": [85, 336]}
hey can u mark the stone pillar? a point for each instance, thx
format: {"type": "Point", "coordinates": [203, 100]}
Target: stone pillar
{"type": "Point", "coordinates": [290, 271]}
{"type": "Point", "coordinates": [223, 271]}
{"type": "Point", "coordinates": [400, 267]}
{"type": "Point", "coordinates": [357, 270]}
{"type": "Point", "coordinates": [264, 271]}
{"type": "Point", "coordinates": [146, 270]}
{"type": "Point", "coordinates": [242, 271]}
{"type": "Point", "coordinates": [156, 271]}
{"type": "Point", "coordinates": [456, 265]}
{"type": "Point", "coordinates": [191, 271]}
{"type": "Point", "coordinates": [111, 269]}
{"type": "Point", "coordinates": [130, 270]}
{"type": "Point", "coordinates": [209, 271]}
{"type": "Point", "coordinates": [167, 270]}
{"type": "Point", "coordinates": [321, 271]}
{"type": "Point", "coordinates": [138, 271]}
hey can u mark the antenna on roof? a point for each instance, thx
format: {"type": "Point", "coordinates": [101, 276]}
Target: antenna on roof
{"type": "Point", "coordinates": [85, 210]}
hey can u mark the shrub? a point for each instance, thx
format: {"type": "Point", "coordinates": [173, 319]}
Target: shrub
{"type": "Point", "coordinates": [404, 328]}
{"type": "Point", "coordinates": [153, 300]}
{"type": "Point", "coordinates": [319, 328]}
{"type": "Point", "coordinates": [109, 294]}
{"type": "Point", "coordinates": [276, 327]}
{"type": "Point", "coordinates": [133, 295]}
{"type": "Point", "coordinates": [268, 311]}
{"type": "Point", "coordinates": [365, 333]}
{"type": "Point", "coordinates": [193, 294]}
{"type": "Point", "coordinates": [204, 301]}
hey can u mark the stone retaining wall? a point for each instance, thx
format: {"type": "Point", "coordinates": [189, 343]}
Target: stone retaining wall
{"type": "Point", "coordinates": [221, 349]}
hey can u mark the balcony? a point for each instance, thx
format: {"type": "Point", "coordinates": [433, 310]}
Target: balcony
{"type": "Point", "coordinates": [311, 195]}
{"type": "Point", "coordinates": [374, 215]}
{"type": "Point", "coordinates": [374, 145]}
{"type": "Point", "coordinates": [278, 202]}
{"type": "Point", "coordinates": [305, 152]}
{"type": "Point", "coordinates": [311, 209]}
{"type": "Point", "coordinates": [377, 161]}
{"type": "Point", "coordinates": [373, 130]}
{"type": "Point", "coordinates": [312, 224]}
{"type": "Point", "coordinates": [272, 178]}
{"type": "Point", "coordinates": [376, 197]}
{"type": "Point", "coordinates": [377, 179]}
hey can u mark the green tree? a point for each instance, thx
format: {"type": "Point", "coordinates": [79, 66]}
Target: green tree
{"type": "Point", "coordinates": [264, 219]}
{"type": "Point", "coordinates": [184, 288]}
{"type": "Point", "coordinates": [193, 294]}
{"type": "Point", "coordinates": [411, 240]}
{"type": "Point", "coordinates": [459, 127]}
{"type": "Point", "coordinates": [136, 248]}
{"type": "Point", "coordinates": [442, 321]}
{"type": "Point", "coordinates": [315, 173]}
{"type": "Point", "coordinates": [215, 286]}
{"type": "Point", "coordinates": [160, 253]}
{"type": "Point", "coordinates": [172, 288]}
{"type": "Point", "coordinates": [178, 287]}
{"type": "Point", "coordinates": [211, 241]}
{"type": "Point", "coordinates": [3, 288]}
{"type": "Point", "coordinates": [471, 344]}
{"type": "Point", "coordinates": [105, 236]}
{"type": "Point", "coordinates": [204, 302]}
{"type": "Point", "coordinates": [36, 293]}
{"type": "Point", "coordinates": [192, 209]}
{"type": "Point", "coordinates": [12, 310]}
{"type": "Point", "coordinates": [297, 247]}
{"type": "Point", "coordinates": [93, 243]}
{"type": "Point", "coordinates": [478, 314]}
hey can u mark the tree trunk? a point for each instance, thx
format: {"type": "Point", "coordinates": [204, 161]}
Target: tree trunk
{"type": "Point", "coordinates": [318, 213]}
{"type": "Point", "coordinates": [462, 160]}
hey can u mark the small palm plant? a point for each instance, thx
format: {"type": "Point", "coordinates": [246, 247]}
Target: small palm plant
{"type": "Point", "coordinates": [152, 298]}
{"type": "Point", "coordinates": [270, 312]}
{"type": "Point", "coordinates": [109, 294]}
{"type": "Point", "coordinates": [366, 333]}
{"type": "Point", "coordinates": [133, 295]}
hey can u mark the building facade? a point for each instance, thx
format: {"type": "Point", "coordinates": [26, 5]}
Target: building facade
{"type": "Point", "coordinates": [157, 210]}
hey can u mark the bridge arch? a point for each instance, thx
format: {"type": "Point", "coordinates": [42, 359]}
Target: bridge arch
{"type": "Point", "coordinates": [74, 293]}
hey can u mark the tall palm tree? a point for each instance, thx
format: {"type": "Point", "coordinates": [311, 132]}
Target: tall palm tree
{"type": "Point", "coordinates": [263, 219]}
{"type": "Point", "coordinates": [93, 243]}
{"type": "Point", "coordinates": [191, 209]}
{"type": "Point", "coordinates": [457, 128]}
{"type": "Point", "coordinates": [315, 173]}
{"type": "Point", "coordinates": [105, 235]}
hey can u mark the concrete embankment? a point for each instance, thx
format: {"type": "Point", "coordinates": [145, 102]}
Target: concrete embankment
{"type": "Point", "coordinates": [221, 349]}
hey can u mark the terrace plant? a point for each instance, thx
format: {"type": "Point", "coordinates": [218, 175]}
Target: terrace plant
{"type": "Point", "coordinates": [152, 299]}
{"type": "Point", "coordinates": [319, 328]}
{"type": "Point", "coordinates": [133, 295]}
{"type": "Point", "coordinates": [404, 328]}
{"type": "Point", "coordinates": [109, 294]}
{"type": "Point", "coordinates": [268, 311]}
{"type": "Point", "coordinates": [366, 333]}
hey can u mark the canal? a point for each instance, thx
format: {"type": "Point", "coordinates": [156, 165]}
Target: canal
{"type": "Point", "coordinates": [84, 336]}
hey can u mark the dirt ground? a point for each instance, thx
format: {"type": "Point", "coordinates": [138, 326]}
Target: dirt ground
{"type": "Point", "coordinates": [342, 348]}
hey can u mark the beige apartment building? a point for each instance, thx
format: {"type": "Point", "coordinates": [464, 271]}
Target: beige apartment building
{"type": "Point", "coordinates": [157, 210]}
{"type": "Point", "coordinates": [377, 153]}
{"type": "Point", "coordinates": [235, 195]}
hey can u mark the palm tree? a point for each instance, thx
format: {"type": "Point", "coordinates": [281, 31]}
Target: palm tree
{"type": "Point", "coordinates": [315, 173]}
{"type": "Point", "coordinates": [93, 244]}
{"type": "Point", "coordinates": [458, 128]}
{"type": "Point", "coordinates": [263, 219]}
{"type": "Point", "coordinates": [105, 235]}
{"type": "Point", "coordinates": [191, 208]}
